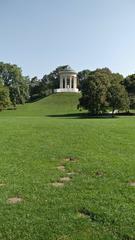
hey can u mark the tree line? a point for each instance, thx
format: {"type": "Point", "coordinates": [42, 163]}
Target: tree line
{"type": "Point", "coordinates": [101, 89]}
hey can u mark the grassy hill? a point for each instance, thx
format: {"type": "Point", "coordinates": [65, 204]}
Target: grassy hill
{"type": "Point", "coordinates": [54, 104]}
{"type": "Point", "coordinates": [72, 176]}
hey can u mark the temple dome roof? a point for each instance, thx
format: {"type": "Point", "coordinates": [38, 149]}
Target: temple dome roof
{"type": "Point", "coordinates": [67, 69]}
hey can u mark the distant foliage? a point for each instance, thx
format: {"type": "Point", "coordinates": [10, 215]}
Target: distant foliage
{"type": "Point", "coordinates": [101, 89]}
{"type": "Point", "coordinates": [45, 86]}
{"type": "Point", "coordinates": [52, 79]}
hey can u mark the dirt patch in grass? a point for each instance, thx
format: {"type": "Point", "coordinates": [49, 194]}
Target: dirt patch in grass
{"type": "Point", "coordinates": [61, 168]}
{"type": "Point", "coordinates": [61, 181]}
{"type": "Point", "coordinates": [81, 215]}
{"type": "Point", "coordinates": [64, 237]}
{"type": "Point", "coordinates": [87, 214]}
{"type": "Point", "coordinates": [132, 184]}
{"type": "Point", "coordinates": [99, 173]}
{"type": "Point", "coordinates": [70, 173]}
{"type": "Point", "coordinates": [70, 159]}
{"type": "Point", "coordinates": [14, 200]}
{"type": "Point", "coordinates": [2, 184]}
{"type": "Point", "coordinates": [65, 179]}
{"type": "Point", "coordinates": [58, 184]}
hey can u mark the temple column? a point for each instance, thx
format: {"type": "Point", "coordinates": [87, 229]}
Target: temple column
{"type": "Point", "coordinates": [74, 82]}
{"type": "Point", "coordinates": [73, 78]}
{"type": "Point", "coordinates": [65, 82]}
{"type": "Point", "coordinates": [70, 82]}
{"type": "Point", "coordinates": [61, 82]}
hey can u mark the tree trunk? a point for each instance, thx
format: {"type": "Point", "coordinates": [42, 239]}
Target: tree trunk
{"type": "Point", "coordinates": [113, 113]}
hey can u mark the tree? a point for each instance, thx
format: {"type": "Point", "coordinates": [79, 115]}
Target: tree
{"type": "Point", "coordinates": [44, 88]}
{"type": "Point", "coordinates": [11, 76]}
{"type": "Point", "coordinates": [94, 92]}
{"type": "Point", "coordinates": [19, 91]}
{"type": "Point", "coordinates": [118, 97]}
{"type": "Point", "coordinates": [4, 97]}
{"type": "Point", "coordinates": [46, 85]}
{"type": "Point", "coordinates": [81, 76]}
{"type": "Point", "coordinates": [129, 83]}
{"type": "Point", "coordinates": [102, 89]}
{"type": "Point", "coordinates": [34, 88]}
{"type": "Point", "coordinates": [51, 81]}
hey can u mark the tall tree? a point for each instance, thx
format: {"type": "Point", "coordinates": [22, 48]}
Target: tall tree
{"type": "Point", "coordinates": [103, 89]}
{"type": "Point", "coordinates": [94, 92]}
{"type": "Point", "coordinates": [81, 76]}
{"type": "Point", "coordinates": [118, 97]}
{"type": "Point", "coordinates": [11, 76]}
{"type": "Point", "coordinates": [34, 88]}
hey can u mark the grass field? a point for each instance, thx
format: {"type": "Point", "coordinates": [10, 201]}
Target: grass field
{"type": "Point", "coordinates": [42, 142]}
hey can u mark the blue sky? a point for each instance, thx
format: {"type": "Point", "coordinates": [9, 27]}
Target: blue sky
{"type": "Point", "coordinates": [39, 35]}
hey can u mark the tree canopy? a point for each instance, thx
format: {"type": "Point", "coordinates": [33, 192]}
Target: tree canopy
{"type": "Point", "coordinates": [18, 85]}
{"type": "Point", "coordinates": [4, 97]}
{"type": "Point", "coordinates": [102, 89]}
{"type": "Point", "coordinates": [129, 83]}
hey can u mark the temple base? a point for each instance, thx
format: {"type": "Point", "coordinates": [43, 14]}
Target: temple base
{"type": "Point", "coordinates": [71, 90]}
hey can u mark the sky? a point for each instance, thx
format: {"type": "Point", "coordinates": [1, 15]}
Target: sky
{"type": "Point", "coordinates": [39, 35]}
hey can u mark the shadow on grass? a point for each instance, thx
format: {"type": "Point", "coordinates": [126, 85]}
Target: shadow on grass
{"type": "Point", "coordinates": [89, 116]}
{"type": "Point", "coordinates": [80, 116]}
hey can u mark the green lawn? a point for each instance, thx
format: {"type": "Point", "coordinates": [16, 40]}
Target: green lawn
{"type": "Point", "coordinates": [97, 202]}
